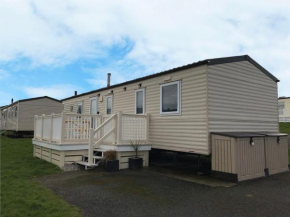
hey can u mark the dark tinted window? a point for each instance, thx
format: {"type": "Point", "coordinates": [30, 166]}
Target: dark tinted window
{"type": "Point", "coordinates": [139, 102]}
{"type": "Point", "coordinates": [170, 98]}
{"type": "Point", "coordinates": [109, 105]}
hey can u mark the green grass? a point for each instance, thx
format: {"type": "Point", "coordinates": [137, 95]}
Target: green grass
{"type": "Point", "coordinates": [284, 128]}
{"type": "Point", "coordinates": [20, 195]}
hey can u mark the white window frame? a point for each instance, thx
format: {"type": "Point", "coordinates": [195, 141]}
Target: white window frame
{"type": "Point", "coordinates": [178, 112]}
{"type": "Point", "coordinates": [80, 102]}
{"type": "Point", "coordinates": [136, 91]}
{"type": "Point", "coordinates": [111, 96]}
{"type": "Point", "coordinates": [97, 106]}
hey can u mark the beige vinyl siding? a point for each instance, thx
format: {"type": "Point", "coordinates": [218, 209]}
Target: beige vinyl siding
{"type": "Point", "coordinates": [186, 132]}
{"type": "Point", "coordinates": [28, 109]}
{"type": "Point", "coordinates": [241, 98]}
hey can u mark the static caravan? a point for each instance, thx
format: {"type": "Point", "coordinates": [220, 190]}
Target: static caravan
{"type": "Point", "coordinates": [19, 116]}
{"type": "Point", "coordinates": [173, 110]}
{"type": "Point", "coordinates": [284, 109]}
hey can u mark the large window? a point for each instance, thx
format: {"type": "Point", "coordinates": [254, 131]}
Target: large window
{"type": "Point", "coordinates": [79, 107]}
{"type": "Point", "coordinates": [109, 105]}
{"type": "Point", "coordinates": [170, 98]}
{"type": "Point", "coordinates": [140, 101]}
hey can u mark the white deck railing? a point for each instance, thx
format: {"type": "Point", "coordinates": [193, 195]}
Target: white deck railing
{"type": "Point", "coordinates": [69, 128]}
{"type": "Point", "coordinates": [284, 115]}
{"type": "Point", "coordinates": [119, 129]}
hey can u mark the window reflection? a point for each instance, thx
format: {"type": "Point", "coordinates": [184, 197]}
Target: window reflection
{"type": "Point", "coordinates": [170, 98]}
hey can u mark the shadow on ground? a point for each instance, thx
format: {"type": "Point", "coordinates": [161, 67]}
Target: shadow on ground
{"type": "Point", "coordinates": [188, 167]}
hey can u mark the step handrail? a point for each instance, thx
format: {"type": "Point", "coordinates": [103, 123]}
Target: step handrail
{"type": "Point", "coordinates": [104, 137]}
{"type": "Point", "coordinates": [93, 145]}
{"type": "Point", "coordinates": [105, 123]}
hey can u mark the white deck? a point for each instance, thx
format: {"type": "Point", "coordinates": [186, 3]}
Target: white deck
{"type": "Point", "coordinates": [85, 146]}
{"type": "Point", "coordinates": [86, 135]}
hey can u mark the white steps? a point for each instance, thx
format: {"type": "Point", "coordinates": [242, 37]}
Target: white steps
{"type": "Point", "coordinates": [100, 150]}
{"type": "Point", "coordinates": [97, 159]}
{"type": "Point", "coordinates": [86, 164]}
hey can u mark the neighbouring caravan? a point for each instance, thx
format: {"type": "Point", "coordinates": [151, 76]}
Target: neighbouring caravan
{"type": "Point", "coordinates": [173, 110]}
{"type": "Point", "coordinates": [284, 109]}
{"type": "Point", "coordinates": [19, 116]}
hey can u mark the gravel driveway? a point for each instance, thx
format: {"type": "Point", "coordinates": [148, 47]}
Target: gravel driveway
{"type": "Point", "coordinates": [146, 193]}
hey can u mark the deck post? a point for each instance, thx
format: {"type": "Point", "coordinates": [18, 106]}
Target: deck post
{"type": "Point", "coordinates": [63, 120]}
{"type": "Point", "coordinates": [34, 133]}
{"type": "Point", "coordinates": [42, 123]}
{"type": "Point", "coordinates": [91, 146]}
{"type": "Point", "coordinates": [100, 131]}
{"type": "Point", "coordinates": [118, 127]}
{"type": "Point", "coordinates": [147, 128]}
{"type": "Point", "coordinates": [51, 125]}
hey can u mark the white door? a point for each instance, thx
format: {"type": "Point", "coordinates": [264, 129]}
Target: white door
{"type": "Point", "coordinates": [93, 111]}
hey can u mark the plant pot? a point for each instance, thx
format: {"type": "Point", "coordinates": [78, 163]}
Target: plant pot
{"type": "Point", "coordinates": [112, 166]}
{"type": "Point", "coordinates": [135, 163]}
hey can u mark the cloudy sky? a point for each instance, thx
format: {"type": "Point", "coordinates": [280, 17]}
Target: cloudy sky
{"type": "Point", "coordinates": [52, 47]}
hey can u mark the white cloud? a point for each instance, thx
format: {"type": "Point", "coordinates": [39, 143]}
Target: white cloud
{"type": "Point", "coordinates": [165, 33]}
{"type": "Point", "coordinates": [56, 91]}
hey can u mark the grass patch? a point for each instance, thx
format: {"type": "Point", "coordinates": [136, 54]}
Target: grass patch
{"type": "Point", "coordinates": [20, 196]}
{"type": "Point", "coordinates": [284, 128]}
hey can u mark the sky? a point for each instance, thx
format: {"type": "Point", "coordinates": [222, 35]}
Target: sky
{"type": "Point", "coordinates": [52, 47]}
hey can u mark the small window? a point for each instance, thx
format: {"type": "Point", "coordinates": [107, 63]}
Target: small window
{"type": "Point", "coordinates": [71, 108]}
{"type": "Point", "coordinates": [79, 107]}
{"type": "Point", "coordinates": [140, 101]}
{"type": "Point", "coordinates": [109, 107]}
{"type": "Point", "coordinates": [170, 98]}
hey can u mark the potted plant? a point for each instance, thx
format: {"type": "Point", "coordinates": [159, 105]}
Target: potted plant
{"type": "Point", "coordinates": [136, 162]}
{"type": "Point", "coordinates": [111, 164]}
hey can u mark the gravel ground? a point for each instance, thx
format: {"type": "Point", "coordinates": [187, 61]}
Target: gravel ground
{"type": "Point", "coordinates": [146, 193]}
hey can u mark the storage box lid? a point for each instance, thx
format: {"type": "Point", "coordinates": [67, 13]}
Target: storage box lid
{"type": "Point", "coordinates": [273, 134]}
{"type": "Point", "coordinates": [239, 134]}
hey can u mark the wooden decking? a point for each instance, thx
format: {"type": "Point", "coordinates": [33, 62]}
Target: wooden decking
{"type": "Point", "coordinates": [73, 138]}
